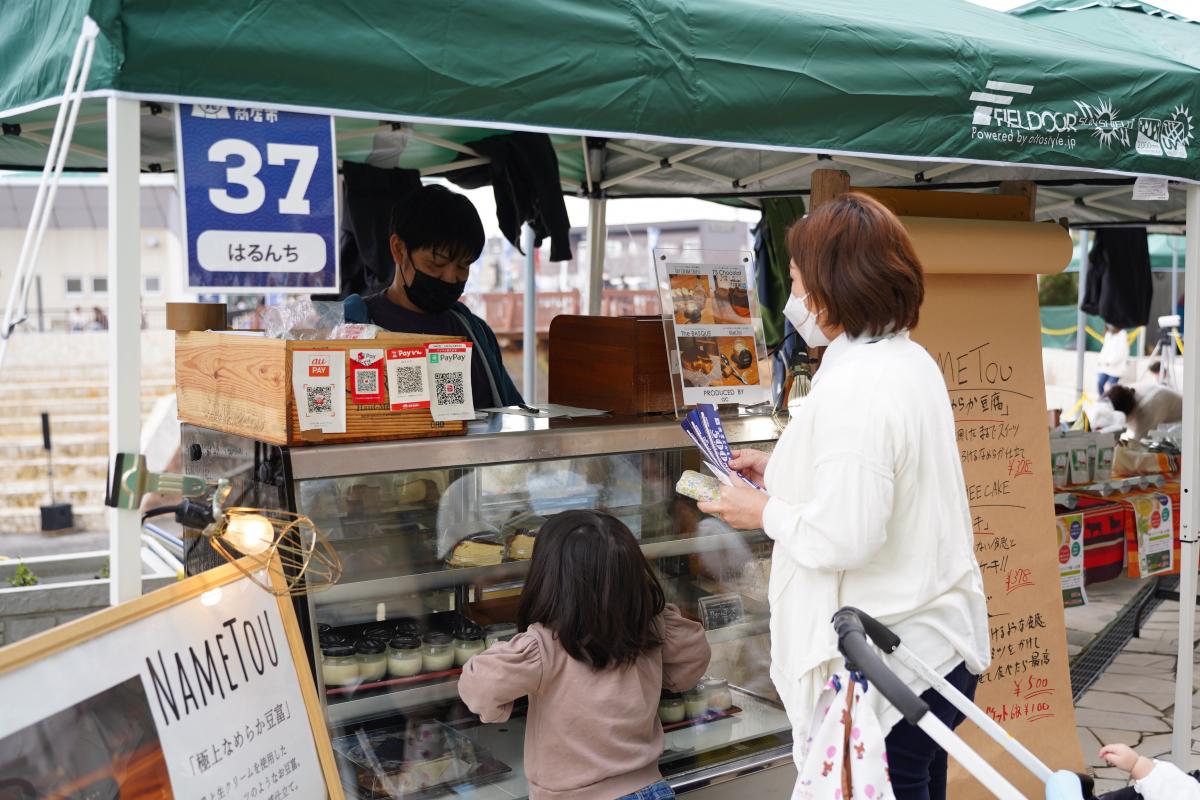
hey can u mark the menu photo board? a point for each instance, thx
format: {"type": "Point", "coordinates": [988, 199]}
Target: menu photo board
{"type": "Point", "coordinates": [198, 690]}
{"type": "Point", "coordinates": [713, 327]}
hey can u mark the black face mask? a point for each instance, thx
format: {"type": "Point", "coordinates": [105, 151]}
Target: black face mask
{"type": "Point", "coordinates": [432, 295]}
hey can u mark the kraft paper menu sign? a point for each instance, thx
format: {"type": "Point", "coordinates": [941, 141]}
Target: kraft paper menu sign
{"type": "Point", "coordinates": [983, 331]}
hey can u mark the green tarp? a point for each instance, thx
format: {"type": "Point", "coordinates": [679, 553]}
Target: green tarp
{"type": "Point", "coordinates": [924, 79]}
{"type": "Point", "coordinates": [1059, 326]}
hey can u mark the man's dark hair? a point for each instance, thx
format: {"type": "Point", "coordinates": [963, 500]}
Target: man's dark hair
{"type": "Point", "coordinates": [590, 586]}
{"type": "Point", "coordinates": [1123, 398]}
{"type": "Point", "coordinates": [435, 218]}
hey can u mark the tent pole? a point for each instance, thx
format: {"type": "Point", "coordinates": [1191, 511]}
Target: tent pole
{"type": "Point", "coordinates": [1174, 275]}
{"type": "Point", "coordinates": [1080, 316]}
{"type": "Point", "coordinates": [124, 334]}
{"type": "Point", "coordinates": [529, 340]}
{"type": "Point", "coordinates": [597, 237]}
{"type": "Point", "coordinates": [1189, 529]}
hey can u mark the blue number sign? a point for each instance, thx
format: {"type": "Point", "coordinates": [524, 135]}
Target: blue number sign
{"type": "Point", "coordinates": [259, 199]}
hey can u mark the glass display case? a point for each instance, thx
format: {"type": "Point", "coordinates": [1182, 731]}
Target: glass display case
{"type": "Point", "coordinates": [435, 537]}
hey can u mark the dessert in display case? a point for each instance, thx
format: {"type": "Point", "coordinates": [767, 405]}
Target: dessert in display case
{"type": "Point", "coordinates": [435, 537]}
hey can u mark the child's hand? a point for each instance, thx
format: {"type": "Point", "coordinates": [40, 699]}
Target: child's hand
{"type": "Point", "coordinates": [1119, 755]}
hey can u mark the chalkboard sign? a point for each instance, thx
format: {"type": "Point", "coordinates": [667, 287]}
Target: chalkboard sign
{"type": "Point", "coordinates": [721, 610]}
{"type": "Point", "coordinates": [199, 690]}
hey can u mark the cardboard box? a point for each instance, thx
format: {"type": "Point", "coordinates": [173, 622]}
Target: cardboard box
{"type": "Point", "coordinates": [243, 385]}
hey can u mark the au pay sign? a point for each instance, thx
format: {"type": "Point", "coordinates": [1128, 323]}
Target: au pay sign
{"type": "Point", "coordinates": [259, 200]}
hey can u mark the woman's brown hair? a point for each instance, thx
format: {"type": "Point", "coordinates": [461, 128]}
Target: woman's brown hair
{"type": "Point", "coordinates": [590, 585]}
{"type": "Point", "coordinates": [859, 266]}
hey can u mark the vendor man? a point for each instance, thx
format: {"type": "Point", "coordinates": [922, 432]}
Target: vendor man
{"type": "Point", "coordinates": [436, 236]}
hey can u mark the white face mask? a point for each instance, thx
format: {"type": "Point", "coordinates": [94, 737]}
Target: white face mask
{"type": "Point", "coordinates": [804, 321]}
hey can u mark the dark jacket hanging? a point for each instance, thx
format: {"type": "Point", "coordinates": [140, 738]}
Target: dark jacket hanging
{"type": "Point", "coordinates": [524, 177]}
{"type": "Point", "coordinates": [1119, 286]}
{"type": "Point", "coordinates": [368, 194]}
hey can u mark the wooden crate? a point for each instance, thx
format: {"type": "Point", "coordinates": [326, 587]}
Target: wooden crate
{"type": "Point", "coordinates": [243, 385]}
{"type": "Point", "coordinates": [618, 364]}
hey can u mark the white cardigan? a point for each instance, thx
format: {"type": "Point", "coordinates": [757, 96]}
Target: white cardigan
{"type": "Point", "coordinates": [868, 508]}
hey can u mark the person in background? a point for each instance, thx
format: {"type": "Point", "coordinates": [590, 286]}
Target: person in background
{"type": "Point", "coordinates": [1146, 406]}
{"type": "Point", "coordinates": [865, 485]}
{"type": "Point", "coordinates": [598, 643]}
{"type": "Point", "coordinates": [436, 236]}
{"type": "Point", "coordinates": [1113, 355]}
{"type": "Point", "coordinates": [99, 320]}
{"type": "Point", "coordinates": [1152, 779]}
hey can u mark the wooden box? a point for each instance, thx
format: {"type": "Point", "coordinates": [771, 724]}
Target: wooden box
{"type": "Point", "coordinates": [618, 364]}
{"type": "Point", "coordinates": [243, 385]}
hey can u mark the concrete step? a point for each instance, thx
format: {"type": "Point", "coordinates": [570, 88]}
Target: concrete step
{"type": "Point", "coordinates": [24, 520]}
{"type": "Point", "coordinates": [77, 469]}
{"type": "Point", "coordinates": [59, 425]}
{"type": "Point", "coordinates": [69, 387]}
{"type": "Point", "coordinates": [54, 406]}
{"type": "Point", "coordinates": [69, 445]}
{"type": "Point", "coordinates": [31, 494]}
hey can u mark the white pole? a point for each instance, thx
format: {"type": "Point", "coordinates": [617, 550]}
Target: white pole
{"type": "Point", "coordinates": [1189, 529]}
{"type": "Point", "coordinates": [124, 334]}
{"type": "Point", "coordinates": [529, 338]}
{"type": "Point", "coordinates": [1080, 316]}
{"type": "Point", "coordinates": [1174, 273]}
{"type": "Point", "coordinates": [597, 237]}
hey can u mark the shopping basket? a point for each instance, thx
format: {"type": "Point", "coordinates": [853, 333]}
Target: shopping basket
{"type": "Point", "coordinates": [854, 628]}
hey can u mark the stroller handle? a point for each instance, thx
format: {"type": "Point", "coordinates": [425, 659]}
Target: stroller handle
{"type": "Point", "coordinates": [853, 627]}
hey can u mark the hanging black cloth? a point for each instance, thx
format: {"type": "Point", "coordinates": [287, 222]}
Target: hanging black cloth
{"type": "Point", "coordinates": [368, 195]}
{"type": "Point", "coordinates": [1119, 286]}
{"type": "Point", "coordinates": [524, 176]}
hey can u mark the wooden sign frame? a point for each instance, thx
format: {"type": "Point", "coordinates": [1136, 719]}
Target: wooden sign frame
{"type": "Point", "coordinates": [29, 652]}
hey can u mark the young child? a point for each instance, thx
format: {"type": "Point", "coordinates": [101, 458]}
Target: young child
{"type": "Point", "coordinates": [1152, 779]}
{"type": "Point", "coordinates": [598, 644]}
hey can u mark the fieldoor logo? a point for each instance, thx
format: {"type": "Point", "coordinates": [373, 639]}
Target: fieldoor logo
{"type": "Point", "coordinates": [999, 93]}
{"type": "Point", "coordinates": [996, 120]}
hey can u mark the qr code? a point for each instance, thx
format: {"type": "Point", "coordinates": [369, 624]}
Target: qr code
{"type": "Point", "coordinates": [320, 399]}
{"type": "Point", "coordinates": [366, 381]}
{"type": "Point", "coordinates": [449, 386]}
{"type": "Point", "coordinates": [408, 380]}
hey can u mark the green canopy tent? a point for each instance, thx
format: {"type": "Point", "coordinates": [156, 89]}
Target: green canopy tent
{"type": "Point", "coordinates": [1120, 26]}
{"type": "Point", "coordinates": [707, 98]}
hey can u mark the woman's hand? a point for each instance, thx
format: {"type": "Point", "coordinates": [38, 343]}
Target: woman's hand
{"type": "Point", "coordinates": [751, 463]}
{"type": "Point", "coordinates": [738, 506]}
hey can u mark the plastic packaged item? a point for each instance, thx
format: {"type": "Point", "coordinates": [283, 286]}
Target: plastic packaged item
{"type": "Point", "coordinates": [339, 664]}
{"type": "Point", "coordinates": [354, 330]}
{"type": "Point", "coordinates": [404, 657]}
{"type": "Point", "coordinates": [697, 486]}
{"type": "Point", "coordinates": [303, 319]}
{"type": "Point", "coordinates": [372, 659]}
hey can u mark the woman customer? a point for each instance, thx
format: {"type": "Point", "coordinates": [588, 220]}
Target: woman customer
{"type": "Point", "coordinates": [865, 498]}
{"type": "Point", "coordinates": [598, 643]}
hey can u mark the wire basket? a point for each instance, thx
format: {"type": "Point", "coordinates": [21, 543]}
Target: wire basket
{"type": "Point", "coordinates": [251, 538]}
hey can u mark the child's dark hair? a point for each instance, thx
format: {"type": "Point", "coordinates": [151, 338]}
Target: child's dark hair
{"type": "Point", "coordinates": [435, 218]}
{"type": "Point", "coordinates": [590, 586]}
